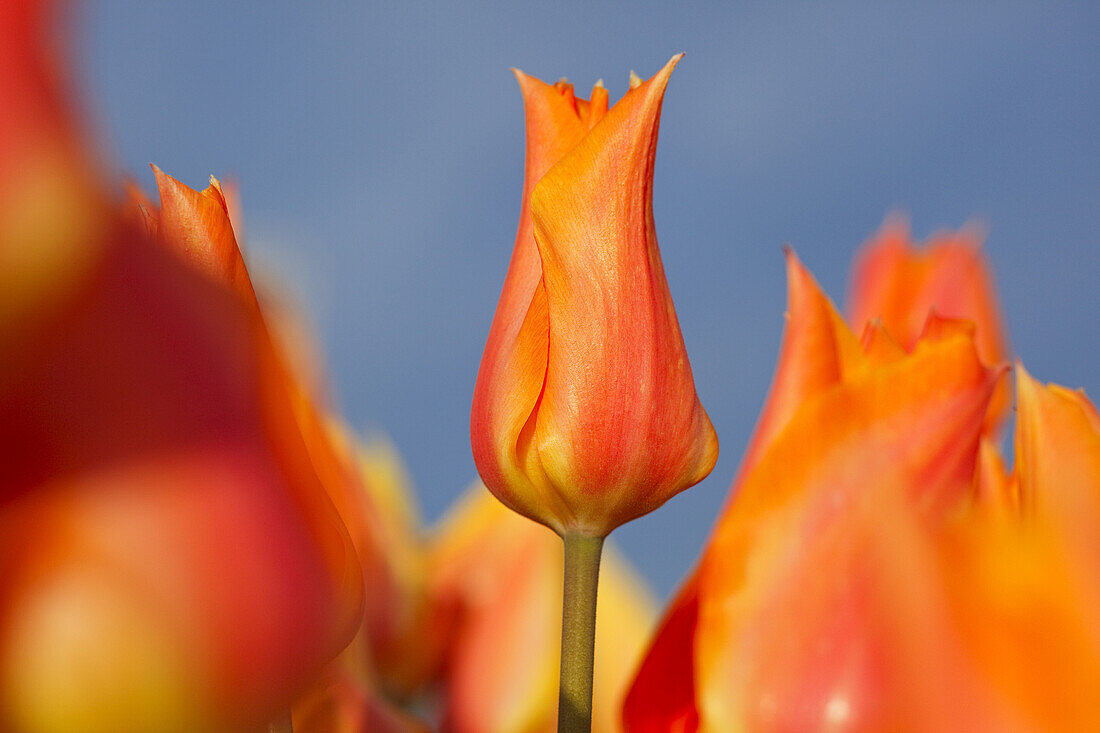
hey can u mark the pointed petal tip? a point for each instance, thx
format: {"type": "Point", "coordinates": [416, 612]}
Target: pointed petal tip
{"type": "Point", "coordinates": [522, 78]}
{"type": "Point", "coordinates": [1024, 381]}
{"type": "Point", "coordinates": [793, 262]}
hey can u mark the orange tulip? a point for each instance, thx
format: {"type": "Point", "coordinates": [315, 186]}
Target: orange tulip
{"type": "Point", "coordinates": [877, 568]}
{"type": "Point", "coordinates": [1024, 580]}
{"type": "Point", "coordinates": [585, 414]}
{"type": "Point", "coordinates": [169, 559]}
{"type": "Point", "coordinates": [900, 285]}
{"type": "Point", "coordinates": [366, 483]}
{"type": "Point", "coordinates": [502, 576]}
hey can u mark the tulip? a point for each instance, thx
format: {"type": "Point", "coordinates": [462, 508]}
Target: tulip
{"type": "Point", "coordinates": [899, 284]}
{"type": "Point", "coordinates": [1027, 592]}
{"type": "Point", "coordinates": [877, 568]}
{"type": "Point", "coordinates": [501, 576]}
{"type": "Point", "coordinates": [585, 414]}
{"type": "Point", "coordinates": [169, 559]}
{"type": "Point", "coordinates": [849, 430]}
{"type": "Point", "coordinates": [365, 482]}
{"type": "Point", "coordinates": [894, 290]}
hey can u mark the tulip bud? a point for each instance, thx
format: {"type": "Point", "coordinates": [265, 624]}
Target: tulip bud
{"type": "Point", "coordinates": [585, 414]}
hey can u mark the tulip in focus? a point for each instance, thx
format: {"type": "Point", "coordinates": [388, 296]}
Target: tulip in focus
{"type": "Point", "coordinates": [585, 414]}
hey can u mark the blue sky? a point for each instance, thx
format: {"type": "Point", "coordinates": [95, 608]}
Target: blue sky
{"type": "Point", "coordinates": [379, 148]}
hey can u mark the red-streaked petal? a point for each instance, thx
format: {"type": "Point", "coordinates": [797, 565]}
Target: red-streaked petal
{"type": "Point", "coordinates": [619, 428]}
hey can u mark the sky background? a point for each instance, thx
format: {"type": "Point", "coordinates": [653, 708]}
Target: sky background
{"type": "Point", "coordinates": [379, 149]}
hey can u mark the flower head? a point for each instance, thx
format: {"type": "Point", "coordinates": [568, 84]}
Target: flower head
{"type": "Point", "coordinates": [585, 414]}
{"type": "Point", "coordinates": [169, 555]}
{"type": "Point", "coordinates": [876, 567]}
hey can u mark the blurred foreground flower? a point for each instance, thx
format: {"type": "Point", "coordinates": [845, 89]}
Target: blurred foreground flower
{"type": "Point", "coordinates": [585, 414]}
{"type": "Point", "coordinates": [875, 568]}
{"type": "Point", "coordinates": [170, 558]}
{"type": "Point", "coordinates": [899, 284]}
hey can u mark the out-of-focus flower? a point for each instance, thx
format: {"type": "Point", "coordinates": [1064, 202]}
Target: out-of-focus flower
{"type": "Point", "coordinates": [899, 284]}
{"type": "Point", "coordinates": [876, 568]}
{"type": "Point", "coordinates": [585, 414]}
{"type": "Point", "coordinates": [1024, 577]}
{"type": "Point", "coordinates": [401, 640]}
{"type": "Point", "coordinates": [44, 170]}
{"type": "Point", "coordinates": [169, 558]}
{"type": "Point", "coordinates": [339, 702]}
{"type": "Point", "coordinates": [366, 482]}
{"type": "Point", "coordinates": [502, 577]}
{"type": "Point", "coordinates": [817, 351]}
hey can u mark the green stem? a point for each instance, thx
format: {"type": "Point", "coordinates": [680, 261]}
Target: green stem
{"type": "Point", "coordinates": [578, 632]}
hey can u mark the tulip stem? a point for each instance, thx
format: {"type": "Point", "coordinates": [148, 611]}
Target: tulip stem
{"type": "Point", "coordinates": [578, 632]}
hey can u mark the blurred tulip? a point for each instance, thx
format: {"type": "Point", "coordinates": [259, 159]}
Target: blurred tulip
{"type": "Point", "coordinates": [503, 576]}
{"type": "Point", "coordinates": [898, 284]}
{"type": "Point", "coordinates": [366, 483]}
{"type": "Point", "coordinates": [818, 350]}
{"type": "Point", "coordinates": [1024, 581]}
{"type": "Point", "coordinates": [600, 423]}
{"type": "Point", "coordinates": [401, 640]}
{"type": "Point", "coordinates": [169, 559]}
{"type": "Point", "coordinates": [876, 568]}
{"type": "Point", "coordinates": [815, 609]}
{"type": "Point", "coordinates": [339, 703]}
{"type": "Point", "coordinates": [44, 170]}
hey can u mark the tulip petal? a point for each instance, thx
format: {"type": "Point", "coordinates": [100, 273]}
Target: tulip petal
{"type": "Point", "coordinates": [1058, 464]}
{"type": "Point", "coordinates": [619, 428]}
{"type": "Point", "coordinates": [895, 282]}
{"type": "Point", "coordinates": [900, 435]}
{"type": "Point", "coordinates": [52, 219]}
{"type": "Point", "coordinates": [142, 439]}
{"type": "Point", "coordinates": [817, 351]}
{"type": "Point", "coordinates": [513, 367]}
{"type": "Point", "coordinates": [196, 225]}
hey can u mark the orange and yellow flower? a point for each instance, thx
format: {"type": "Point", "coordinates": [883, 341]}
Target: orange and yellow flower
{"type": "Point", "coordinates": [170, 558]}
{"type": "Point", "coordinates": [876, 568]}
{"type": "Point", "coordinates": [899, 284]}
{"type": "Point", "coordinates": [585, 414]}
